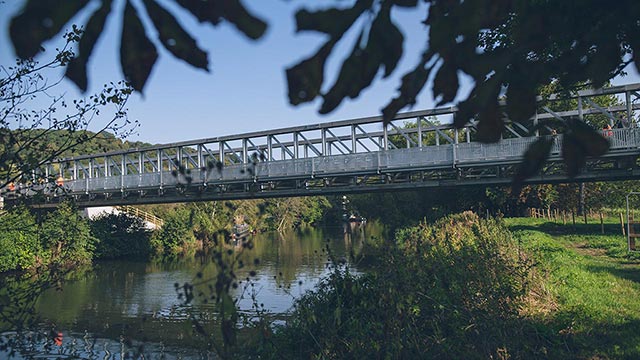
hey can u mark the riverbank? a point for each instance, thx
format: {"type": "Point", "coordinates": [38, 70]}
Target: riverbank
{"type": "Point", "coordinates": [519, 288]}
{"type": "Point", "coordinates": [461, 287]}
{"type": "Point", "coordinates": [593, 286]}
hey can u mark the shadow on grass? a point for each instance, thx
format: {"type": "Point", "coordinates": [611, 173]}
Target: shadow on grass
{"type": "Point", "coordinates": [553, 228]}
{"type": "Point", "coordinates": [628, 273]}
{"type": "Point", "coordinates": [573, 334]}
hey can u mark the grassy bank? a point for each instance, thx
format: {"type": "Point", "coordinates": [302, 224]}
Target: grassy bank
{"type": "Point", "coordinates": [471, 288]}
{"type": "Point", "coordinates": [593, 282]}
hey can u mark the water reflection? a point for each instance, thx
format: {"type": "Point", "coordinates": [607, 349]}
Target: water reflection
{"type": "Point", "coordinates": [137, 301]}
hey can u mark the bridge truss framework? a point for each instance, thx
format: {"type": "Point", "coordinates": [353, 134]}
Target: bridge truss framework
{"type": "Point", "coordinates": [416, 149]}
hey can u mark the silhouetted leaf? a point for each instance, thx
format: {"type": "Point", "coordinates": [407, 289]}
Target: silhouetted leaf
{"type": "Point", "coordinates": [77, 67]}
{"type": "Point", "coordinates": [406, 3]}
{"type": "Point", "coordinates": [467, 110]}
{"type": "Point", "coordinates": [521, 101]}
{"type": "Point", "coordinates": [591, 140]}
{"type": "Point", "coordinates": [40, 21]}
{"type": "Point", "coordinates": [137, 53]}
{"type": "Point", "coordinates": [603, 63]}
{"type": "Point", "coordinates": [231, 10]}
{"type": "Point", "coordinates": [333, 22]}
{"type": "Point", "coordinates": [385, 41]}
{"type": "Point", "coordinates": [446, 83]}
{"type": "Point", "coordinates": [204, 11]}
{"type": "Point", "coordinates": [174, 37]}
{"type": "Point", "coordinates": [305, 78]}
{"type": "Point", "coordinates": [634, 42]}
{"type": "Point", "coordinates": [411, 85]}
{"type": "Point", "coordinates": [348, 79]}
{"type": "Point", "coordinates": [573, 154]}
{"type": "Point", "coordinates": [535, 156]}
{"type": "Point", "coordinates": [483, 98]}
{"type": "Point", "coordinates": [490, 123]}
{"type": "Point", "coordinates": [248, 24]}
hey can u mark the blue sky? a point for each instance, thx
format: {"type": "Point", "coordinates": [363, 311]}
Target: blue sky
{"type": "Point", "coordinates": [245, 89]}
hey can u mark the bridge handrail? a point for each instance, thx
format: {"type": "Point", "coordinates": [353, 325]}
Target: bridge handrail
{"type": "Point", "coordinates": [321, 153]}
{"type": "Point", "coordinates": [141, 214]}
{"type": "Point", "coordinates": [367, 120]}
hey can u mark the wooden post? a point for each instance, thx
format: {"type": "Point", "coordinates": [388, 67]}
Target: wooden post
{"type": "Point", "coordinates": [564, 218]}
{"type": "Point", "coordinates": [573, 215]}
{"type": "Point", "coordinates": [601, 224]}
{"type": "Point", "coordinates": [622, 225]}
{"type": "Point", "coordinates": [585, 217]}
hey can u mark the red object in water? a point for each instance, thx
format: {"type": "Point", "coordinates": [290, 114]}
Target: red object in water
{"type": "Point", "coordinates": [58, 339]}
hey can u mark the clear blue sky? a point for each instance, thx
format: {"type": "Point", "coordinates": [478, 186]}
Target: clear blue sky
{"type": "Point", "coordinates": [246, 87]}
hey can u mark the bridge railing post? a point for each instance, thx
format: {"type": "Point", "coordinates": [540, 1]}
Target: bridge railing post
{"type": "Point", "coordinates": [419, 126]}
{"type": "Point", "coordinates": [385, 132]}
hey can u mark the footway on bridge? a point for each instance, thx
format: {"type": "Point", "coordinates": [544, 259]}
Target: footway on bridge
{"type": "Point", "coordinates": [416, 149]}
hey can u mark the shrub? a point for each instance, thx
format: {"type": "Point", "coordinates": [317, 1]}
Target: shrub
{"type": "Point", "coordinates": [18, 240]}
{"type": "Point", "coordinates": [66, 236]}
{"type": "Point", "coordinates": [449, 290]}
{"type": "Point", "coordinates": [120, 235]}
{"type": "Point", "coordinates": [176, 235]}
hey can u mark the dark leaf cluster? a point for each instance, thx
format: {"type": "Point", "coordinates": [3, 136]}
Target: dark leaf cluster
{"type": "Point", "coordinates": [508, 47]}
{"type": "Point", "coordinates": [39, 21]}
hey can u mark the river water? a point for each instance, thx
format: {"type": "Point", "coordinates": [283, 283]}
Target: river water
{"type": "Point", "coordinates": [119, 306]}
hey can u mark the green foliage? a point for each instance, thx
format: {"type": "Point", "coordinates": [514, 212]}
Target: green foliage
{"type": "Point", "coordinates": [211, 219]}
{"type": "Point", "coordinates": [18, 240]}
{"type": "Point", "coordinates": [405, 208]}
{"type": "Point", "coordinates": [120, 235]}
{"type": "Point", "coordinates": [176, 235]}
{"type": "Point", "coordinates": [67, 237]}
{"type": "Point", "coordinates": [61, 238]}
{"type": "Point", "coordinates": [285, 213]}
{"type": "Point", "coordinates": [448, 290]}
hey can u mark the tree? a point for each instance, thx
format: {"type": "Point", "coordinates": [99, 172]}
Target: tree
{"type": "Point", "coordinates": [120, 235]}
{"type": "Point", "coordinates": [31, 137]}
{"type": "Point", "coordinates": [67, 236]}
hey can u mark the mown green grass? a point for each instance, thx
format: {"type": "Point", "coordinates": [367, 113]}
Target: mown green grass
{"type": "Point", "coordinates": [595, 283]}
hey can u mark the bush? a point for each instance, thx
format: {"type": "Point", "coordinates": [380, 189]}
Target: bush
{"type": "Point", "coordinates": [66, 236]}
{"type": "Point", "coordinates": [449, 290]}
{"type": "Point", "coordinates": [120, 235]}
{"type": "Point", "coordinates": [18, 240]}
{"type": "Point", "coordinates": [176, 235]}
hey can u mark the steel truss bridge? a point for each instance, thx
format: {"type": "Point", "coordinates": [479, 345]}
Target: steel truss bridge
{"type": "Point", "coordinates": [415, 150]}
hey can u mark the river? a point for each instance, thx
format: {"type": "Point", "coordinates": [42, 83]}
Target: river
{"type": "Point", "coordinates": [122, 307]}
